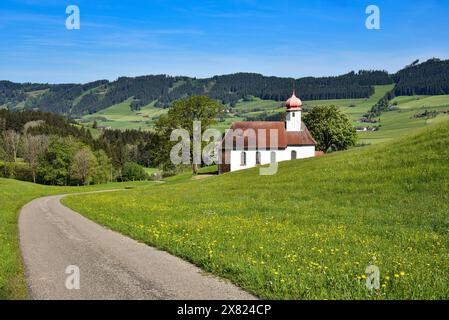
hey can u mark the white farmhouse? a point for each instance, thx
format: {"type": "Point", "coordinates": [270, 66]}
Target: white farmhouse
{"type": "Point", "coordinates": [249, 144]}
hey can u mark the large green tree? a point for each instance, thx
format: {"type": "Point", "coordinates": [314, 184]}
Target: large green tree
{"type": "Point", "coordinates": [331, 128]}
{"type": "Point", "coordinates": [182, 114]}
{"type": "Point", "coordinates": [56, 162]}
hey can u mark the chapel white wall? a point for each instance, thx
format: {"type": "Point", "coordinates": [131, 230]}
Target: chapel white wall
{"type": "Point", "coordinates": [281, 155]}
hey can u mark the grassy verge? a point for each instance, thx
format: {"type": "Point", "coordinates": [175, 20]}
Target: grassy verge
{"type": "Point", "coordinates": [13, 196]}
{"type": "Point", "coordinates": [310, 231]}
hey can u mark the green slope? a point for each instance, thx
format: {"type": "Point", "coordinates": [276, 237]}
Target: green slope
{"type": "Point", "coordinates": [402, 121]}
{"type": "Point", "coordinates": [310, 231]}
{"type": "Point", "coordinates": [355, 108]}
{"type": "Point", "coordinates": [120, 116]}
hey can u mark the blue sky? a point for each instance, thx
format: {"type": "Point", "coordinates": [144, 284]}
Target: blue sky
{"type": "Point", "coordinates": [204, 38]}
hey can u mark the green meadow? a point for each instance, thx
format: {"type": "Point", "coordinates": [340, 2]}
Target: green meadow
{"type": "Point", "coordinates": [355, 108]}
{"type": "Point", "coordinates": [120, 116]}
{"type": "Point", "coordinates": [311, 230]}
{"type": "Point", "coordinates": [14, 195]}
{"type": "Point", "coordinates": [400, 122]}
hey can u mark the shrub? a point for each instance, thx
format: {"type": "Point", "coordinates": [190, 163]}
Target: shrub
{"type": "Point", "coordinates": [133, 171]}
{"type": "Point", "coordinates": [17, 170]}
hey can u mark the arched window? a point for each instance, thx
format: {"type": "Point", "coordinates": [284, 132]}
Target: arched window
{"type": "Point", "coordinates": [294, 155]}
{"type": "Point", "coordinates": [243, 159]}
{"type": "Point", "coordinates": [273, 157]}
{"type": "Point", "coordinates": [258, 158]}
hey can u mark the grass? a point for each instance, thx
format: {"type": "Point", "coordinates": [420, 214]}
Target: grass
{"type": "Point", "coordinates": [150, 171]}
{"type": "Point", "coordinates": [213, 169]}
{"type": "Point", "coordinates": [258, 104]}
{"type": "Point", "coordinates": [355, 108]}
{"type": "Point", "coordinates": [188, 175]}
{"type": "Point", "coordinates": [120, 116]}
{"type": "Point", "coordinates": [401, 122]}
{"type": "Point", "coordinates": [14, 195]}
{"type": "Point", "coordinates": [310, 231]}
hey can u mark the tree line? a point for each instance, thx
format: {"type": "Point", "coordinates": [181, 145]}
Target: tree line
{"type": "Point", "coordinates": [79, 99]}
{"type": "Point", "coordinates": [428, 78]}
{"type": "Point", "coordinates": [49, 149]}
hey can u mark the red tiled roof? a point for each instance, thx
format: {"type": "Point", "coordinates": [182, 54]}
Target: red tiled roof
{"type": "Point", "coordinates": [300, 138]}
{"type": "Point", "coordinates": [253, 138]}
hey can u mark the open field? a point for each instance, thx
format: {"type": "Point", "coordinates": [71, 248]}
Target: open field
{"type": "Point", "coordinates": [400, 122]}
{"type": "Point", "coordinates": [310, 231]}
{"type": "Point", "coordinates": [355, 108]}
{"type": "Point", "coordinates": [120, 116]}
{"type": "Point", "coordinates": [14, 194]}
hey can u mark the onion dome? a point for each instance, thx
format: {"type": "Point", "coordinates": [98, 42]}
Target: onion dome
{"type": "Point", "coordinates": [294, 102]}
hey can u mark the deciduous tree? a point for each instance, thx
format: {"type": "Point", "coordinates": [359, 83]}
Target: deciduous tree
{"type": "Point", "coordinates": [84, 165]}
{"type": "Point", "coordinates": [9, 141]}
{"type": "Point", "coordinates": [33, 147]}
{"type": "Point", "coordinates": [331, 128]}
{"type": "Point", "coordinates": [103, 172]}
{"type": "Point", "coordinates": [56, 162]}
{"type": "Point", "coordinates": [184, 112]}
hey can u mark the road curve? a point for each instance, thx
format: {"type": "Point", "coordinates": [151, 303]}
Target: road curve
{"type": "Point", "coordinates": [112, 266]}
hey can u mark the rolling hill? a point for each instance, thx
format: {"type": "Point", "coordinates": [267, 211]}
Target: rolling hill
{"type": "Point", "coordinates": [428, 78]}
{"type": "Point", "coordinates": [392, 124]}
{"type": "Point", "coordinates": [162, 90]}
{"type": "Point", "coordinates": [136, 103]}
{"type": "Point", "coordinates": [311, 230]}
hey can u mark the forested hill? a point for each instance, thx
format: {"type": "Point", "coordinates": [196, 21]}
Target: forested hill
{"type": "Point", "coordinates": [431, 77]}
{"type": "Point", "coordinates": [80, 99]}
{"type": "Point", "coordinates": [428, 78]}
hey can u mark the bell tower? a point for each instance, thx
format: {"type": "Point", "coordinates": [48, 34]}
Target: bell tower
{"type": "Point", "coordinates": [294, 111]}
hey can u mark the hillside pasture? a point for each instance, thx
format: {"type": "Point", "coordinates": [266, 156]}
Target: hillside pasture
{"type": "Point", "coordinates": [402, 121]}
{"type": "Point", "coordinates": [120, 116]}
{"type": "Point", "coordinates": [311, 230]}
